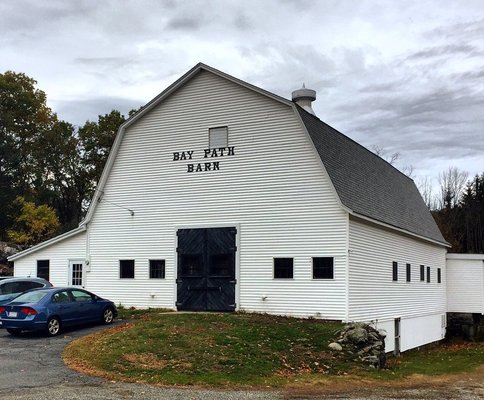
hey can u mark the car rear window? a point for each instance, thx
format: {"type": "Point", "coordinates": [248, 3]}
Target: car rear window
{"type": "Point", "coordinates": [30, 297]}
{"type": "Point", "coordinates": [19, 286]}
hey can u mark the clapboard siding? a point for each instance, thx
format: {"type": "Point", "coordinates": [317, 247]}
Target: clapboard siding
{"type": "Point", "coordinates": [373, 294]}
{"type": "Point", "coordinates": [273, 189]}
{"type": "Point", "coordinates": [465, 283]}
{"type": "Point", "coordinates": [72, 248]}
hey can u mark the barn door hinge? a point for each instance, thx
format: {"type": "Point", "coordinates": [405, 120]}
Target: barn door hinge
{"type": "Point", "coordinates": [178, 303]}
{"type": "Point", "coordinates": [233, 305]}
{"type": "Point", "coordinates": [233, 281]}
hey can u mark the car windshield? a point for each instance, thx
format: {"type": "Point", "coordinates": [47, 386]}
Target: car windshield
{"type": "Point", "coordinates": [30, 297]}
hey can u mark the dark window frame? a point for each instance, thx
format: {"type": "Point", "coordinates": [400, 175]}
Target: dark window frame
{"type": "Point", "coordinates": [157, 270]}
{"type": "Point", "coordinates": [283, 271]}
{"type": "Point", "coordinates": [422, 273]}
{"type": "Point", "coordinates": [409, 272]}
{"type": "Point", "coordinates": [324, 271]}
{"type": "Point", "coordinates": [395, 271]}
{"type": "Point", "coordinates": [439, 275]}
{"type": "Point", "coordinates": [40, 274]}
{"type": "Point", "coordinates": [428, 274]}
{"type": "Point", "coordinates": [122, 269]}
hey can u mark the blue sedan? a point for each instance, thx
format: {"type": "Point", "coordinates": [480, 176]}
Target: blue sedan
{"type": "Point", "coordinates": [50, 309]}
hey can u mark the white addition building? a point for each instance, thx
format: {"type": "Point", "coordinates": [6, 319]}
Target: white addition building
{"type": "Point", "coordinates": [218, 195]}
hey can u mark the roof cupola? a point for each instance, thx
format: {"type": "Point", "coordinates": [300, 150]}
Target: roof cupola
{"type": "Point", "coordinates": [304, 97]}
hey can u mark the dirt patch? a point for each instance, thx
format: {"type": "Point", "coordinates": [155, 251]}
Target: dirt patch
{"type": "Point", "coordinates": [411, 387]}
{"type": "Point", "coordinates": [152, 362]}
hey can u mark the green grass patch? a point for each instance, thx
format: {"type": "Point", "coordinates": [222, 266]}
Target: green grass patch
{"type": "Point", "coordinates": [239, 349]}
{"type": "Point", "coordinates": [437, 359]}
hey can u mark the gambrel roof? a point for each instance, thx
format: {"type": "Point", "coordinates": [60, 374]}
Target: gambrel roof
{"type": "Point", "coordinates": [368, 185]}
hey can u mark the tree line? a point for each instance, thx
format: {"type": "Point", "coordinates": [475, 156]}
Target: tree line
{"type": "Point", "coordinates": [49, 169]}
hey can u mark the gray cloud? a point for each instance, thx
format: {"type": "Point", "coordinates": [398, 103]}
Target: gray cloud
{"type": "Point", "coordinates": [447, 50]}
{"type": "Point", "coordinates": [79, 111]}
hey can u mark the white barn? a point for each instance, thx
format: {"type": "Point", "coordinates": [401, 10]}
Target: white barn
{"type": "Point", "coordinates": [218, 195]}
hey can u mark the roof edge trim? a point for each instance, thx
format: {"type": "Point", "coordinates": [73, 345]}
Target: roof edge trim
{"type": "Point", "coordinates": [415, 235]}
{"type": "Point", "coordinates": [465, 256]}
{"type": "Point", "coordinates": [47, 243]}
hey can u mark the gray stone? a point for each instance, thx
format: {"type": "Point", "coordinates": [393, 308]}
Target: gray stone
{"type": "Point", "coordinates": [335, 346]}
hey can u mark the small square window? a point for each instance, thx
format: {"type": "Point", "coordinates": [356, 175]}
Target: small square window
{"type": "Point", "coordinates": [157, 269]}
{"type": "Point", "coordinates": [43, 269]}
{"type": "Point", "coordinates": [283, 268]}
{"type": "Point", "coordinates": [218, 137]}
{"type": "Point", "coordinates": [126, 269]}
{"type": "Point", "coordinates": [422, 273]}
{"type": "Point", "coordinates": [395, 271]}
{"type": "Point", "coordinates": [323, 267]}
{"type": "Point", "coordinates": [428, 274]}
{"type": "Point", "coordinates": [409, 272]}
{"type": "Point", "coordinates": [439, 275]}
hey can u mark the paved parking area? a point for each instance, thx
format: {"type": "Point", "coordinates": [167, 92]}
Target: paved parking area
{"type": "Point", "coordinates": [31, 368]}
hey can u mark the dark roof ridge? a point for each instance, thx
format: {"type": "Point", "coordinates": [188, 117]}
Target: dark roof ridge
{"type": "Point", "coordinates": [354, 141]}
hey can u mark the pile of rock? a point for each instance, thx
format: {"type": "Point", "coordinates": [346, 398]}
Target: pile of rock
{"type": "Point", "coordinates": [6, 251]}
{"type": "Point", "coordinates": [363, 342]}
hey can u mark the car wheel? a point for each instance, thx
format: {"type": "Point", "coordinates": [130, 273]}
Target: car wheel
{"type": "Point", "coordinates": [14, 331]}
{"type": "Point", "coordinates": [53, 326]}
{"type": "Point", "coordinates": [108, 315]}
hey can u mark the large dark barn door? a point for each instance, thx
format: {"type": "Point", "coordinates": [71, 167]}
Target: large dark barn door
{"type": "Point", "coordinates": [206, 269]}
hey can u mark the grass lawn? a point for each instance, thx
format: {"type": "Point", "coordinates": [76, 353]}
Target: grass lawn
{"type": "Point", "coordinates": [234, 349]}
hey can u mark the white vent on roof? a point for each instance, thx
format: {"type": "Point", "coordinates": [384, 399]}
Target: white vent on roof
{"type": "Point", "coordinates": [304, 97]}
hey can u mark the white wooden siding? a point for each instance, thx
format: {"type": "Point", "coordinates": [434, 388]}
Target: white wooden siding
{"type": "Point", "coordinates": [373, 294]}
{"type": "Point", "coordinates": [273, 188]}
{"type": "Point", "coordinates": [59, 254]}
{"type": "Point", "coordinates": [465, 283]}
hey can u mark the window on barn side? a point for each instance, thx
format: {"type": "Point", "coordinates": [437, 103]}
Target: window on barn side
{"type": "Point", "coordinates": [428, 274]}
{"type": "Point", "coordinates": [283, 268]}
{"type": "Point", "coordinates": [409, 273]}
{"type": "Point", "coordinates": [126, 269]}
{"type": "Point", "coordinates": [395, 271]}
{"type": "Point", "coordinates": [422, 273]}
{"type": "Point", "coordinates": [43, 269]}
{"type": "Point", "coordinates": [157, 269]}
{"type": "Point", "coordinates": [218, 137]}
{"type": "Point", "coordinates": [439, 275]}
{"type": "Point", "coordinates": [323, 267]}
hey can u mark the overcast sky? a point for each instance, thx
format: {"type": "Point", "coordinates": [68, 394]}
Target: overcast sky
{"type": "Point", "coordinates": [406, 76]}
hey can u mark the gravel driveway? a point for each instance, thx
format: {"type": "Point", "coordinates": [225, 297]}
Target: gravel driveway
{"type": "Point", "coordinates": [32, 368]}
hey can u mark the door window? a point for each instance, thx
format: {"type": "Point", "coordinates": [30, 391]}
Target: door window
{"type": "Point", "coordinates": [76, 277]}
{"type": "Point", "coordinates": [61, 297]}
{"type": "Point", "coordinates": [81, 296]}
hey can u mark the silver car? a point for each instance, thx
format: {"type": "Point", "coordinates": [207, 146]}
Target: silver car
{"type": "Point", "coordinates": [12, 287]}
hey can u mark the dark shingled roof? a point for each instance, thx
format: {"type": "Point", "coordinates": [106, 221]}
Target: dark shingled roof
{"type": "Point", "coordinates": [367, 184]}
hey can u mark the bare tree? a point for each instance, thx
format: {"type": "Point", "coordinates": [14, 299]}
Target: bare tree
{"type": "Point", "coordinates": [392, 160]}
{"type": "Point", "coordinates": [382, 153]}
{"type": "Point", "coordinates": [452, 184]}
{"type": "Point", "coordinates": [424, 186]}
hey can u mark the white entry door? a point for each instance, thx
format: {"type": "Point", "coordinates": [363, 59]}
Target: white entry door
{"type": "Point", "coordinates": [76, 273]}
